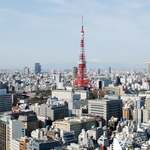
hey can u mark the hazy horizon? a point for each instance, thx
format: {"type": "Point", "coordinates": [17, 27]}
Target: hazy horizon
{"type": "Point", "coordinates": [48, 31]}
{"type": "Point", "coordinates": [90, 65]}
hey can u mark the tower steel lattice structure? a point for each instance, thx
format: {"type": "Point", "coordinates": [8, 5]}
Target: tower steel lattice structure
{"type": "Point", "coordinates": [82, 80]}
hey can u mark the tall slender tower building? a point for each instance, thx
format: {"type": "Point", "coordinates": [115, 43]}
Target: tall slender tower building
{"type": "Point", "coordinates": [74, 72]}
{"type": "Point", "coordinates": [109, 69]}
{"type": "Point", "coordinates": [82, 80]}
{"type": "Point", "coordinates": [148, 67]}
{"type": "Point", "coordinates": [37, 68]}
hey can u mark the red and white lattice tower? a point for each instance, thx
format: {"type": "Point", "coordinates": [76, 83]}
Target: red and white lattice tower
{"type": "Point", "coordinates": [82, 80]}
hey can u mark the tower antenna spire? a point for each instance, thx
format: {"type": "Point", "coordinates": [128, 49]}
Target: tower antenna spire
{"type": "Point", "coordinates": [82, 21]}
{"type": "Point", "coordinates": [82, 80]}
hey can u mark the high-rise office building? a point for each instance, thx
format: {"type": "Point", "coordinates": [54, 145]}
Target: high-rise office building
{"type": "Point", "coordinates": [4, 85]}
{"type": "Point", "coordinates": [14, 99]}
{"type": "Point", "coordinates": [5, 100]}
{"type": "Point", "coordinates": [138, 115]}
{"type": "Point", "coordinates": [146, 115]}
{"type": "Point", "coordinates": [103, 83]}
{"type": "Point", "coordinates": [98, 71]}
{"type": "Point", "coordinates": [147, 103]}
{"type": "Point", "coordinates": [58, 77]}
{"type": "Point", "coordinates": [106, 107]}
{"type": "Point", "coordinates": [127, 113]}
{"type": "Point", "coordinates": [53, 111]}
{"type": "Point", "coordinates": [148, 67]}
{"type": "Point", "coordinates": [9, 129]}
{"type": "Point", "coordinates": [37, 68]}
{"type": "Point", "coordinates": [117, 82]}
{"type": "Point", "coordinates": [109, 69]}
{"type": "Point", "coordinates": [29, 123]}
{"type": "Point", "coordinates": [74, 72]}
{"type": "Point", "coordinates": [26, 71]}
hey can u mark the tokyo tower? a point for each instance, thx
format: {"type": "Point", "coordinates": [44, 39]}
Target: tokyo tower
{"type": "Point", "coordinates": [82, 80]}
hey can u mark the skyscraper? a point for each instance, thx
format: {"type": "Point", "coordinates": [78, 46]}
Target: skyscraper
{"type": "Point", "coordinates": [98, 71]}
{"type": "Point", "coordinates": [147, 103]}
{"type": "Point", "coordinates": [37, 68]}
{"type": "Point", "coordinates": [109, 69]}
{"type": "Point", "coordinates": [26, 71]}
{"type": "Point", "coordinates": [82, 80]}
{"type": "Point", "coordinates": [148, 67]}
{"type": "Point", "coordinates": [74, 72]}
{"type": "Point", "coordinates": [58, 77]}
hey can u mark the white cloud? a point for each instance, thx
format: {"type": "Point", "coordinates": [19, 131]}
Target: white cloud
{"type": "Point", "coordinates": [54, 1]}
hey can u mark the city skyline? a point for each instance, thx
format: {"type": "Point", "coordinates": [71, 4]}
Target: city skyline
{"type": "Point", "coordinates": [48, 32]}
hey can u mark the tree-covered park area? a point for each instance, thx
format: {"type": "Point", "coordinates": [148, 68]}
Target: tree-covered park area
{"type": "Point", "coordinates": [40, 97]}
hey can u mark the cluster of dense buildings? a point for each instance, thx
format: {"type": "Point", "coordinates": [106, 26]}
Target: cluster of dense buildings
{"type": "Point", "coordinates": [120, 81]}
{"type": "Point", "coordinates": [68, 120]}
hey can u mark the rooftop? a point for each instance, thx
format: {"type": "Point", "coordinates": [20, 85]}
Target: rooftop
{"type": "Point", "coordinates": [75, 120]}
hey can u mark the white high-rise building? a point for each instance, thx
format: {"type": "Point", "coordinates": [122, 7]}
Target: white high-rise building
{"type": "Point", "coordinates": [58, 78]}
{"type": "Point", "coordinates": [26, 71]}
{"type": "Point", "coordinates": [10, 129]}
{"type": "Point", "coordinates": [146, 115]}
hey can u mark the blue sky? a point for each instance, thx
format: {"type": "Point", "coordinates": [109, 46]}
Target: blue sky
{"type": "Point", "coordinates": [48, 31]}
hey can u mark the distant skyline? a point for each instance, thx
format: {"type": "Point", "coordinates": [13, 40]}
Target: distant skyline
{"type": "Point", "coordinates": [48, 31]}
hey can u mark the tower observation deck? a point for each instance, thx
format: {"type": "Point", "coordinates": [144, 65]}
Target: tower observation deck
{"type": "Point", "coordinates": [82, 80]}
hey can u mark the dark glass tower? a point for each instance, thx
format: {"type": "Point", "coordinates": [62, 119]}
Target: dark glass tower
{"type": "Point", "coordinates": [37, 68]}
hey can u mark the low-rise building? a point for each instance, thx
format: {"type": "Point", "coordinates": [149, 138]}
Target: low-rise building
{"type": "Point", "coordinates": [42, 144]}
{"type": "Point", "coordinates": [53, 109]}
{"type": "Point", "coordinates": [75, 124]}
{"type": "Point", "coordinates": [96, 132]}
